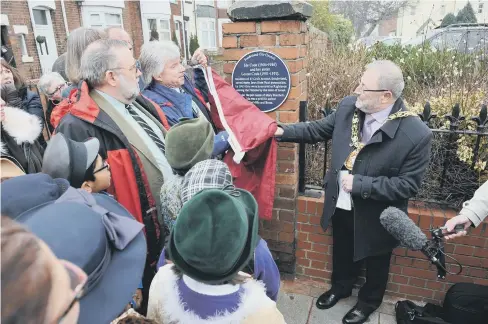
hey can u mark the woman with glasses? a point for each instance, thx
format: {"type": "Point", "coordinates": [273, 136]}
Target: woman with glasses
{"type": "Point", "coordinates": [37, 287]}
{"type": "Point", "coordinates": [54, 87]}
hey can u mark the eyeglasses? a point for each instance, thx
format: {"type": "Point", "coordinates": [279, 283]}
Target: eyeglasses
{"type": "Point", "coordinates": [360, 89]}
{"type": "Point", "coordinates": [78, 279]}
{"type": "Point", "coordinates": [105, 166]}
{"type": "Point", "coordinates": [61, 86]}
{"type": "Point", "coordinates": [130, 69]}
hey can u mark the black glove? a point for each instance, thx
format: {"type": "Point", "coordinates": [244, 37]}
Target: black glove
{"type": "Point", "coordinates": [11, 96]}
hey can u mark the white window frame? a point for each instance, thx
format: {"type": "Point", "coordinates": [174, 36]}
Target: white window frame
{"type": "Point", "coordinates": [221, 35]}
{"type": "Point", "coordinates": [87, 11]}
{"type": "Point", "coordinates": [147, 31]}
{"type": "Point", "coordinates": [201, 31]}
{"type": "Point", "coordinates": [21, 31]}
{"type": "Point", "coordinates": [480, 7]}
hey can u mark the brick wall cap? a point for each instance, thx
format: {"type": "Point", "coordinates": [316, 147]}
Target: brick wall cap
{"type": "Point", "coordinates": [270, 10]}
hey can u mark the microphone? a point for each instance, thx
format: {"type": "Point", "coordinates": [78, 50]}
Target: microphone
{"type": "Point", "coordinates": [402, 228]}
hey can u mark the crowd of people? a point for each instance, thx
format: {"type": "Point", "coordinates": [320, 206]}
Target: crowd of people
{"type": "Point", "coordinates": [118, 205]}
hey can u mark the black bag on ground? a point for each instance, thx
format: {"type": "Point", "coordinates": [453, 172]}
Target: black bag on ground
{"type": "Point", "coordinates": [407, 312]}
{"type": "Point", "coordinates": [466, 303]}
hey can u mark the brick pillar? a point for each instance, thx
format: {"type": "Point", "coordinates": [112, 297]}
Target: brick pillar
{"type": "Point", "coordinates": [286, 35]}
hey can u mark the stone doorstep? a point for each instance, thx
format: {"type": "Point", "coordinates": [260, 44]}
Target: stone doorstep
{"type": "Point", "coordinates": [314, 288]}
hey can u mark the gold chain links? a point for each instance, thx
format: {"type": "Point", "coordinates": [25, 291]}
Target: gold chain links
{"type": "Point", "coordinates": [356, 140]}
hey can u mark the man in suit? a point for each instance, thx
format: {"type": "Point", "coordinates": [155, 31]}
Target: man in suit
{"type": "Point", "coordinates": [380, 152]}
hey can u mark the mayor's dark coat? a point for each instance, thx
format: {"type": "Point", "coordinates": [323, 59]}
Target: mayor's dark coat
{"type": "Point", "coordinates": [387, 172]}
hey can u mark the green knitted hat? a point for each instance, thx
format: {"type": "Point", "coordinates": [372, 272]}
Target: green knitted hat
{"type": "Point", "coordinates": [215, 234]}
{"type": "Point", "coordinates": [189, 142]}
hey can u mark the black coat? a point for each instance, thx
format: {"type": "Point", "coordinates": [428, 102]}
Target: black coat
{"type": "Point", "coordinates": [19, 141]}
{"type": "Point", "coordinates": [387, 172]}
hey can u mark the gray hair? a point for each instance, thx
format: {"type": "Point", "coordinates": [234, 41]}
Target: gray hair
{"type": "Point", "coordinates": [47, 80]}
{"type": "Point", "coordinates": [78, 40]}
{"type": "Point", "coordinates": [154, 56]}
{"type": "Point", "coordinates": [390, 76]}
{"type": "Point", "coordinates": [98, 58]}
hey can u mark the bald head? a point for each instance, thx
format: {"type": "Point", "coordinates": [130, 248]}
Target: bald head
{"type": "Point", "coordinates": [118, 33]}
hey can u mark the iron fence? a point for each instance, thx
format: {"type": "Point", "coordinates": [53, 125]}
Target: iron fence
{"type": "Point", "coordinates": [448, 181]}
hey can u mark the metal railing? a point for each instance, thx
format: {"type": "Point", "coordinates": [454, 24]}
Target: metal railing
{"type": "Point", "coordinates": [448, 181]}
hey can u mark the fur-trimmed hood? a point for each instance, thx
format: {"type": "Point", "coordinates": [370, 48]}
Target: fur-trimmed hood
{"type": "Point", "coordinates": [166, 307]}
{"type": "Point", "coordinates": [21, 126]}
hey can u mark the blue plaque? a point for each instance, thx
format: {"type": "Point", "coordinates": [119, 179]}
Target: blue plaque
{"type": "Point", "coordinates": [263, 79]}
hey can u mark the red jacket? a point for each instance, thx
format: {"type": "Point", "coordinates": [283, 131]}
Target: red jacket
{"type": "Point", "coordinates": [254, 130]}
{"type": "Point", "coordinates": [83, 119]}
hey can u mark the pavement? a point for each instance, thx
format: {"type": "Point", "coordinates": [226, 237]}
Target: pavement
{"type": "Point", "coordinates": [300, 309]}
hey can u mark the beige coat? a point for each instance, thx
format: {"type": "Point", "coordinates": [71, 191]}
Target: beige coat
{"type": "Point", "coordinates": [154, 175]}
{"type": "Point", "coordinates": [164, 304]}
{"type": "Point", "coordinates": [476, 209]}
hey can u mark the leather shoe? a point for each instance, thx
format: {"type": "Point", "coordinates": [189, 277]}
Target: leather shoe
{"type": "Point", "coordinates": [356, 316]}
{"type": "Point", "coordinates": [327, 300]}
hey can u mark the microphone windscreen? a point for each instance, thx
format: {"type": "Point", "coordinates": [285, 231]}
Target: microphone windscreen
{"type": "Point", "coordinates": [401, 227]}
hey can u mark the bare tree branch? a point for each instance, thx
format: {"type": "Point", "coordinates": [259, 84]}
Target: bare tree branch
{"type": "Point", "coordinates": [367, 14]}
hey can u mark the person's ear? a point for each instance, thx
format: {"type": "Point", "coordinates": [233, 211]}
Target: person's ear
{"type": "Point", "coordinates": [159, 77]}
{"type": "Point", "coordinates": [87, 187]}
{"type": "Point", "coordinates": [111, 78]}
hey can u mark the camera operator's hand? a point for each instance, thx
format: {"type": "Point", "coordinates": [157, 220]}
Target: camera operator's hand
{"type": "Point", "coordinates": [458, 220]}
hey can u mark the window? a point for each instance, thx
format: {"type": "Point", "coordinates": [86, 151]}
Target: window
{"type": "Point", "coordinates": [449, 40]}
{"type": "Point", "coordinates": [224, 4]}
{"type": "Point", "coordinates": [480, 8]}
{"type": "Point", "coordinates": [102, 17]}
{"type": "Point", "coordinates": [412, 10]}
{"type": "Point", "coordinates": [39, 17]}
{"type": "Point", "coordinates": [443, 9]}
{"type": "Point", "coordinates": [205, 3]}
{"type": "Point", "coordinates": [159, 31]}
{"type": "Point", "coordinates": [207, 33]}
{"type": "Point", "coordinates": [477, 41]}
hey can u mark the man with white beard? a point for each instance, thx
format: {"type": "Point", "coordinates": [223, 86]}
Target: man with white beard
{"type": "Point", "coordinates": [131, 135]}
{"type": "Point", "coordinates": [380, 152]}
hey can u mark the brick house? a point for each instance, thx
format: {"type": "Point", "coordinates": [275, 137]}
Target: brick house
{"type": "Point", "coordinates": [34, 32]}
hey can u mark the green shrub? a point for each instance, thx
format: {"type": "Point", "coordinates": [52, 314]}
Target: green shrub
{"type": "Point", "coordinates": [193, 44]}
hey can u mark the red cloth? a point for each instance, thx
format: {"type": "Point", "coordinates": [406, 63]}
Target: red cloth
{"type": "Point", "coordinates": [254, 130]}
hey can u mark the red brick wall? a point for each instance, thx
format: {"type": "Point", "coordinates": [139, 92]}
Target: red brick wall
{"type": "Point", "coordinates": [387, 26]}
{"type": "Point", "coordinates": [176, 11]}
{"type": "Point", "coordinates": [18, 14]}
{"type": "Point", "coordinates": [73, 14]}
{"type": "Point", "coordinates": [288, 40]}
{"type": "Point", "coordinates": [132, 24]}
{"type": "Point", "coordinates": [411, 275]}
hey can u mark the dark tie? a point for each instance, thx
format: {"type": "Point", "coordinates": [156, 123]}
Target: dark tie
{"type": "Point", "coordinates": [146, 128]}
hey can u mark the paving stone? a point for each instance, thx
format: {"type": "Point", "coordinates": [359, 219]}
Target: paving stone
{"type": "Point", "coordinates": [387, 319]}
{"type": "Point", "coordinates": [335, 314]}
{"type": "Point", "coordinates": [295, 308]}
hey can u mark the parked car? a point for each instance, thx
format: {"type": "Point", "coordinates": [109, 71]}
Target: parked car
{"type": "Point", "coordinates": [463, 38]}
{"type": "Point", "coordinates": [372, 40]}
